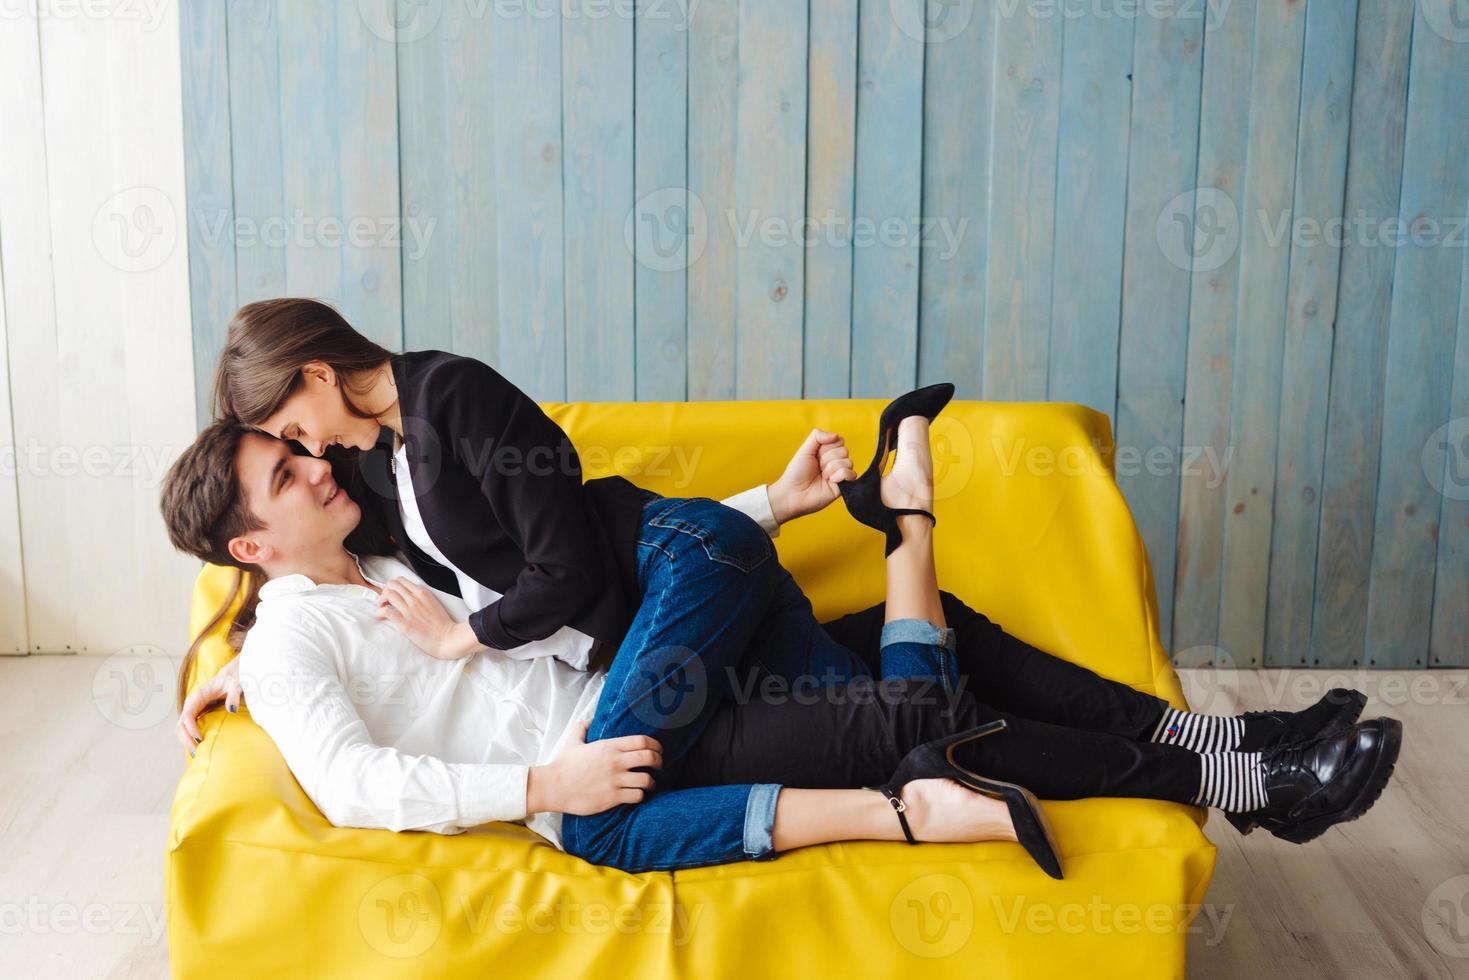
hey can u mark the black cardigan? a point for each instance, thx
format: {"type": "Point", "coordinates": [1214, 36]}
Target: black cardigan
{"type": "Point", "coordinates": [500, 490]}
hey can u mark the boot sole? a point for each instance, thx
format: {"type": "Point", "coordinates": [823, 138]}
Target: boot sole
{"type": "Point", "coordinates": [1346, 716]}
{"type": "Point", "coordinates": [1382, 769]}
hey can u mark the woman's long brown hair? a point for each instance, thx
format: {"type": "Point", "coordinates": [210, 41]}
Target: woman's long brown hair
{"type": "Point", "coordinates": [268, 344]}
{"type": "Point", "coordinates": [244, 583]}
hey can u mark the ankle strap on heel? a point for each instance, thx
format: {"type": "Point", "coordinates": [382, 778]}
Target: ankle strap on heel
{"type": "Point", "coordinates": [909, 510]}
{"type": "Point", "coordinates": [901, 809]}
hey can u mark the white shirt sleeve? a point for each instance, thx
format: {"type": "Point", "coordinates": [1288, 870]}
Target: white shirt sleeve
{"type": "Point", "coordinates": [293, 691]}
{"type": "Point", "coordinates": [756, 503]}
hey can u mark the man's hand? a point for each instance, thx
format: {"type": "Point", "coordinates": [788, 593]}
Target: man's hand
{"type": "Point", "coordinates": [589, 777]}
{"type": "Point", "coordinates": [223, 686]}
{"type": "Point", "coordinates": [810, 480]}
{"type": "Point", "coordinates": [416, 613]}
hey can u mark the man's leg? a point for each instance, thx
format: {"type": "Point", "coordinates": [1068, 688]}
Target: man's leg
{"type": "Point", "coordinates": [1009, 674]}
{"type": "Point", "coordinates": [855, 735]}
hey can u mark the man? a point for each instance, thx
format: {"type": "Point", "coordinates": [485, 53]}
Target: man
{"type": "Point", "coordinates": [385, 724]}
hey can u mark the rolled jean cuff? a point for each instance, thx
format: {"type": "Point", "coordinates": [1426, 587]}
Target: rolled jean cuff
{"type": "Point", "coordinates": [917, 631]}
{"type": "Point", "coordinates": [759, 839]}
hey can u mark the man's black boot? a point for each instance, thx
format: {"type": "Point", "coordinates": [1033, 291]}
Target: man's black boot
{"type": "Point", "coordinates": [1337, 710]}
{"type": "Point", "coordinates": [1313, 784]}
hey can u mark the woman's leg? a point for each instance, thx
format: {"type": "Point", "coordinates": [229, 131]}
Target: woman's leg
{"type": "Point", "coordinates": [915, 639]}
{"type": "Point", "coordinates": [689, 828]}
{"type": "Point", "coordinates": [789, 649]}
{"type": "Point", "coordinates": [708, 574]}
{"type": "Point", "coordinates": [938, 811]}
{"type": "Point", "coordinates": [790, 645]}
{"type": "Point", "coordinates": [707, 590]}
{"type": "Point", "coordinates": [1000, 669]}
{"type": "Point", "coordinates": [1010, 674]}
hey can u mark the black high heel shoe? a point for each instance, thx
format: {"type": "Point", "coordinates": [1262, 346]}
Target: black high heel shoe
{"type": "Point", "coordinates": [936, 759]}
{"type": "Point", "coordinates": [862, 496]}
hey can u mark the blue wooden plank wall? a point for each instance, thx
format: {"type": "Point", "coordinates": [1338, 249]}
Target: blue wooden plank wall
{"type": "Point", "coordinates": [1236, 228]}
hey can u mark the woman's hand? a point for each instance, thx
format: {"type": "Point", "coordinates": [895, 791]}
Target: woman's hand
{"type": "Point", "coordinates": [589, 777]}
{"type": "Point", "coordinates": [414, 611]}
{"type": "Point", "coordinates": [810, 480]}
{"type": "Point", "coordinates": [223, 686]}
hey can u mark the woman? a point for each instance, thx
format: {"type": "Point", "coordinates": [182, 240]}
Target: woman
{"type": "Point", "coordinates": [421, 759]}
{"type": "Point", "coordinates": [483, 493]}
{"type": "Point", "coordinates": [480, 489]}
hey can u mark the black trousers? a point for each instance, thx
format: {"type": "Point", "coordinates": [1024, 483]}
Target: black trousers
{"type": "Point", "coordinates": [1071, 732]}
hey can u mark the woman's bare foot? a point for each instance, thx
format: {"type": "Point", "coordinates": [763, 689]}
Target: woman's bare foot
{"type": "Point", "coordinates": [942, 810]}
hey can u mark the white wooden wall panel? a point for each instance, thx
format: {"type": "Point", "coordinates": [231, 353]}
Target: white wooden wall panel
{"type": "Point", "coordinates": [98, 330]}
{"type": "Point", "coordinates": [25, 256]}
{"type": "Point", "coordinates": [12, 575]}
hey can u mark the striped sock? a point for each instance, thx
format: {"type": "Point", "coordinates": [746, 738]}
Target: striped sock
{"type": "Point", "coordinates": [1198, 733]}
{"type": "Point", "coordinates": [1232, 781]}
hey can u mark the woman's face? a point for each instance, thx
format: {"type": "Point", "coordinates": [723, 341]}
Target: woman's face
{"type": "Point", "coordinates": [316, 416]}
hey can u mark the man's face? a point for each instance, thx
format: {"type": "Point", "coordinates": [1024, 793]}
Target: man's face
{"type": "Point", "coordinates": [306, 515]}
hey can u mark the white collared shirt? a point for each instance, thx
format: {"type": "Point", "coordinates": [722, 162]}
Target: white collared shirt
{"type": "Point", "coordinates": [568, 643]}
{"type": "Point", "coordinates": [379, 734]}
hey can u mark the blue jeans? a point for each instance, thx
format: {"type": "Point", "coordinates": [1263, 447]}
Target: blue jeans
{"type": "Point", "coordinates": [719, 613]}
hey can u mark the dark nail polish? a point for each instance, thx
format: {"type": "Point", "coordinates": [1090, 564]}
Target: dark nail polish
{"type": "Point", "coordinates": [232, 708]}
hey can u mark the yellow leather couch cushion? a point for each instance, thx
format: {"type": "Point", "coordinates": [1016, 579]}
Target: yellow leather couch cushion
{"type": "Point", "coordinates": [1032, 531]}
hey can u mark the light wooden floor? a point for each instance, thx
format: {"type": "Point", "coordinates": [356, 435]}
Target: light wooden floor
{"type": "Point", "coordinates": [84, 797]}
{"type": "Point", "coordinates": [1386, 896]}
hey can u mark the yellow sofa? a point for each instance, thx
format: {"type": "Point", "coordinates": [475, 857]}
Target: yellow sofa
{"type": "Point", "coordinates": [1032, 531]}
